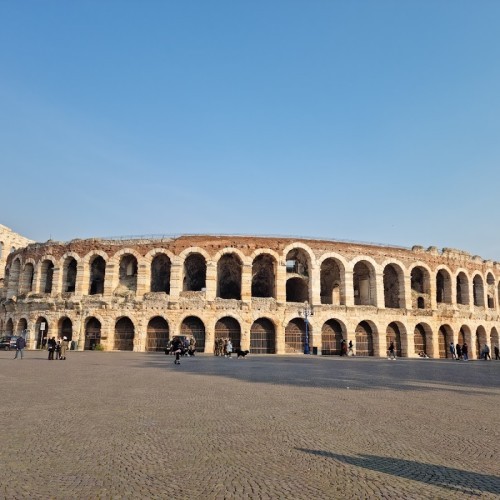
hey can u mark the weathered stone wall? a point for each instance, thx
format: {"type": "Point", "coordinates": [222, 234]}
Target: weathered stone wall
{"type": "Point", "coordinates": [9, 241]}
{"type": "Point", "coordinates": [364, 291]}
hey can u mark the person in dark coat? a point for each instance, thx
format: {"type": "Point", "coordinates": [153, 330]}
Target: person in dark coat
{"type": "Point", "coordinates": [465, 351]}
{"type": "Point", "coordinates": [20, 345]}
{"type": "Point", "coordinates": [51, 346]}
{"type": "Point", "coordinates": [177, 349]}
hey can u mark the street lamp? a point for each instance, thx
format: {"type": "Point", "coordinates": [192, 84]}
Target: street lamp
{"type": "Point", "coordinates": [306, 312]}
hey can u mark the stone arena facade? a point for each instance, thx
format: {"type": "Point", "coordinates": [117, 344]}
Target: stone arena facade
{"type": "Point", "coordinates": [266, 294]}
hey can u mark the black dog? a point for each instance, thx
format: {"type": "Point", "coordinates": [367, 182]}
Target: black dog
{"type": "Point", "coordinates": [241, 354]}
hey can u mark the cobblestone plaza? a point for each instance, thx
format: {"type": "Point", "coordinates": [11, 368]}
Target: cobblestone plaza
{"type": "Point", "coordinates": [134, 425]}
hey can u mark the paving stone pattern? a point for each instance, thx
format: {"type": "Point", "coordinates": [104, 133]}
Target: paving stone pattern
{"type": "Point", "coordinates": [134, 425]}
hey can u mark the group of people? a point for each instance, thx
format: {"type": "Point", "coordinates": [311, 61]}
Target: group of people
{"type": "Point", "coordinates": [57, 348]}
{"type": "Point", "coordinates": [223, 347]}
{"type": "Point", "coordinates": [346, 349]}
{"type": "Point", "coordinates": [461, 352]}
{"type": "Point", "coordinates": [181, 347]}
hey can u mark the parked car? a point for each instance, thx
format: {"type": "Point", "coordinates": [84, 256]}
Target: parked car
{"type": "Point", "coordinates": [8, 342]}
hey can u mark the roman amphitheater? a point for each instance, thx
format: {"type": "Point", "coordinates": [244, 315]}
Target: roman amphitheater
{"type": "Point", "coordinates": [269, 295]}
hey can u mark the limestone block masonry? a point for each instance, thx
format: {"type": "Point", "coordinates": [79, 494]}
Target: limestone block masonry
{"type": "Point", "coordinates": [9, 242]}
{"type": "Point", "coordinates": [269, 295]}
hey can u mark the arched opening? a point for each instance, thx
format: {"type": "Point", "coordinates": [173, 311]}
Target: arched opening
{"type": "Point", "coordinates": [22, 327]}
{"type": "Point", "coordinates": [462, 289]}
{"type": "Point", "coordinates": [331, 338]}
{"type": "Point", "coordinates": [481, 340]}
{"type": "Point", "coordinates": [264, 276]}
{"type": "Point", "coordinates": [97, 275]}
{"type": "Point", "coordinates": [128, 272]}
{"type": "Point", "coordinates": [14, 276]}
{"type": "Point", "coordinates": [92, 333]}
{"type": "Point", "coordinates": [295, 336]}
{"type": "Point", "coordinates": [331, 281]}
{"type": "Point", "coordinates": [393, 287]}
{"type": "Point", "coordinates": [364, 339]}
{"type": "Point", "coordinates": [65, 328]}
{"type": "Point", "coordinates": [445, 336]}
{"type": "Point", "coordinates": [262, 337]}
{"type": "Point", "coordinates": [228, 328]}
{"type": "Point", "coordinates": [157, 334]}
{"type": "Point", "coordinates": [420, 287]}
{"type": "Point", "coordinates": [490, 290]}
{"type": "Point", "coordinates": [69, 275]}
{"type": "Point", "coordinates": [443, 287]}
{"type": "Point", "coordinates": [41, 332]}
{"type": "Point", "coordinates": [298, 262]}
{"type": "Point", "coordinates": [393, 334]}
{"type": "Point", "coordinates": [420, 340]}
{"type": "Point", "coordinates": [478, 291]}
{"type": "Point", "coordinates": [229, 277]}
{"type": "Point", "coordinates": [194, 327]}
{"type": "Point", "coordinates": [9, 327]}
{"type": "Point", "coordinates": [47, 274]}
{"type": "Point", "coordinates": [195, 273]}
{"type": "Point", "coordinates": [364, 284]}
{"type": "Point", "coordinates": [124, 335]}
{"type": "Point", "coordinates": [494, 341]}
{"type": "Point", "coordinates": [297, 290]}
{"type": "Point", "coordinates": [160, 273]}
{"type": "Point", "coordinates": [26, 285]}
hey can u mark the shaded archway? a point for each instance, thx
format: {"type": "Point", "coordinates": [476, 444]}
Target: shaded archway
{"type": "Point", "coordinates": [229, 269]}
{"type": "Point", "coordinates": [157, 334]}
{"type": "Point", "coordinates": [264, 276]}
{"type": "Point", "coordinates": [364, 284]}
{"type": "Point", "coordinates": [494, 340]}
{"type": "Point", "coordinates": [195, 273]}
{"type": "Point", "coordinates": [331, 337]}
{"type": "Point", "coordinates": [331, 282]}
{"type": "Point", "coordinates": [26, 284]}
{"type": "Point", "coordinates": [14, 277]}
{"type": "Point", "coordinates": [41, 331]}
{"type": "Point", "coordinates": [9, 327]}
{"type": "Point", "coordinates": [97, 275]}
{"type": "Point", "coordinates": [295, 335]}
{"type": "Point", "coordinates": [481, 340]}
{"type": "Point", "coordinates": [422, 337]}
{"type": "Point", "coordinates": [393, 286]}
{"type": "Point", "coordinates": [262, 337]}
{"type": "Point", "coordinates": [297, 290]}
{"type": "Point", "coordinates": [229, 328]}
{"type": "Point", "coordinates": [393, 334]}
{"type": "Point", "coordinates": [128, 272]}
{"type": "Point", "coordinates": [490, 291]}
{"type": "Point", "coordinates": [160, 273]}
{"type": "Point", "coordinates": [47, 274]}
{"type": "Point", "coordinates": [443, 287]}
{"type": "Point", "coordinates": [124, 335]}
{"type": "Point", "coordinates": [92, 333]}
{"type": "Point", "coordinates": [194, 327]}
{"type": "Point", "coordinates": [364, 339]}
{"type": "Point", "coordinates": [478, 291]}
{"type": "Point", "coordinates": [445, 336]}
{"type": "Point", "coordinates": [420, 288]}
{"type": "Point", "coordinates": [22, 327]}
{"type": "Point", "coordinates": [65, 328]}
{"type": "Point", "coordinates": [462, 289]}
{"type": "Point", "coordinates": [69, 275]}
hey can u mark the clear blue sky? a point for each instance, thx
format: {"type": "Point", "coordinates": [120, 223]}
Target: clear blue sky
{"type": "Point", "coordinates": [363, 120]}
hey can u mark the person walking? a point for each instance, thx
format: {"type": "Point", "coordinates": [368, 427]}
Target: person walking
{"type": "Point", "coordinates": [486, 352]}
{"type": "Point", "coordinates": [177, 349]}
{"type": "Point", "coordinates": [229, 348]}
{"type": "Point", "coordinates": [465, 352]}
{"type": "Point", "coordinates": [497, 352]}
{"type": "Point", "coordinates": [459, 352]}
{"type": "Point", "coordinates": [51, 346]}
{"type": "Point", "coordinates": [392, 351]}
{"type": "Point", "coordinates": [452, 351]}
{"type": "Point", "coordinates": [64, 347]}
{"type": "Point", "coordinates": [350, 352]}
{"type": "Point", "coordinates": [20, 345]}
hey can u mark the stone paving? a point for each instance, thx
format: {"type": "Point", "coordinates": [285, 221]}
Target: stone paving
{"type": "Point", "coordinates": [134, 425]}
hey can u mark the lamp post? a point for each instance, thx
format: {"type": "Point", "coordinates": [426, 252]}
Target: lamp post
{"type": "Point", "coordinates": [306, 312]}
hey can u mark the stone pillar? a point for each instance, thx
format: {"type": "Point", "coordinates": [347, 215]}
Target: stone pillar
{"type": "Point", "coordinates": [111, 279]}
{"type": "Point", "coordinates": [406, 298]}
{"type": "Point", "coordinates": [379, 299]}
{"type": "Point", "coordinates": [209, 337]}
{"type": "Point", "coordinates": [281, 283]}
{"type": "Point", "coordinates": [82, 279]}
{"type": "Point", "coordinates": [175, 280]}
{"type": "Point", "coordinates": [140, 335]}
{"type": "Point", "coordinates": [349, 288]}
{"type": "Point", "coordinates": [246, 283]}
{"type": "Point", "coordinates": [433, 289]}
{"type": "Point", "coordinates": [245, 336]}
{"type": "Point", "coordinates": [143, 277]}
{"type": "Point", "coordinates": [315, 285]}
{"type": "Point", "coordinates": [211, 281]}
{"type": "Point", "coordinates": [57, 279]}
{"type": "Point", "coordinates": [453, 297]}
{"type": "Point", "coordinates": [280, 338]}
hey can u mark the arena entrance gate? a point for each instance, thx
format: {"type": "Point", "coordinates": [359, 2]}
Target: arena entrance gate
{"type": "Point", "coordinates": [295, 336]}
{"type": "Point", "coordinates": [262, 337]}
{"type": "Point", "coordinates": [92, 334]}
{"type": "Point", "coordinates": [194, 327]}
{"type": "Point", "coordinates": [331, 338]}
{"type": "Point", "coordinates": [364, 340]}
{"type": "Point", "coordinates": [157, 334]}
{"type": "Point", "coordinates": [228, 328]}
{"type": "Point", "coordinates": [124, 335]}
